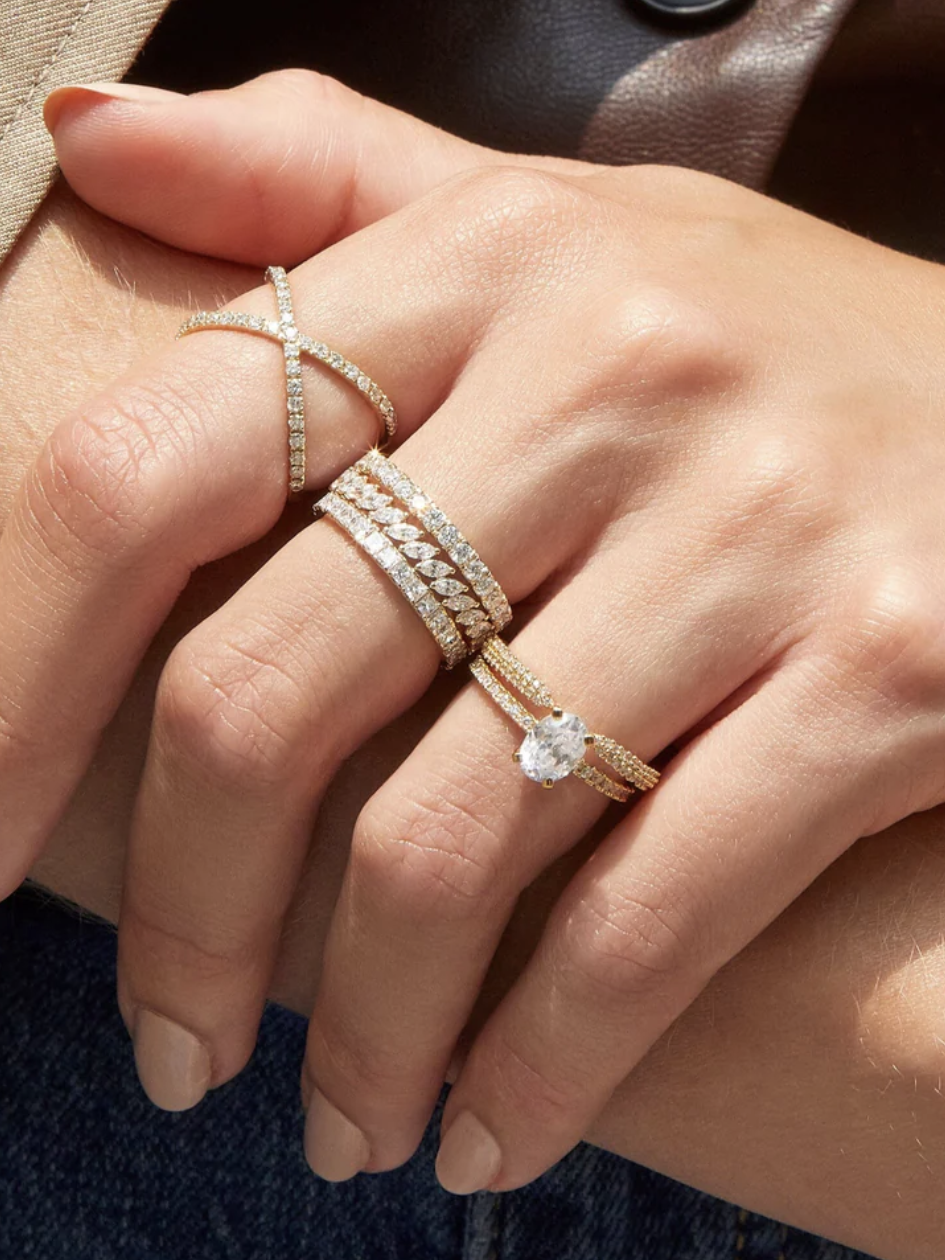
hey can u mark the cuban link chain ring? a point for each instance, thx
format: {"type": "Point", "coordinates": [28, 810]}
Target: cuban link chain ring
{"type": "Point", "coordinates": [555, 745]}
{"type": "Point", "coordinates": [366, 508]}
{"type": "Point", "coordinates": [295, 344]}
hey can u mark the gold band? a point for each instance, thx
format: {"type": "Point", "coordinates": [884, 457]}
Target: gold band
{"type": "Point", "coordinates": [459, 614]}
{"type": "Point", "coordinates": [555, 745]}
{"type": "Point", "coordinates": [295, 344]}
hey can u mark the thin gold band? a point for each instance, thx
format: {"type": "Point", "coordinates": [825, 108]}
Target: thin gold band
{"type": "Point", "coordinates": [497, 666]}
{"type": "Point", "coordinates": [295, 344]}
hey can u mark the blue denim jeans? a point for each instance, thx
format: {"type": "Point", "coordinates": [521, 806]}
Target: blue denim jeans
{"type": "Point", "coordinates": [89, 1170]}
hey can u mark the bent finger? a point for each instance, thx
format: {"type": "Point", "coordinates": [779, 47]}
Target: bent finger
{"type": "Point", "coordinates": [272, 170]}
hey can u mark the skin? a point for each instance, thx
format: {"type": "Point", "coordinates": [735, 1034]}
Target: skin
{"type": "Point", "coordinates": [911, 951]}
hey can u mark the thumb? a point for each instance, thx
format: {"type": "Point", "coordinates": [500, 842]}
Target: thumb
{"type": "Point", "coordinates": [270, 171]}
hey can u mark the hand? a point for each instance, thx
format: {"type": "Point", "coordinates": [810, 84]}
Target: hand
{"type": "Point", "coordinates": [668, 317]}
{"type": "Point", "coordinates": [803, 1083]}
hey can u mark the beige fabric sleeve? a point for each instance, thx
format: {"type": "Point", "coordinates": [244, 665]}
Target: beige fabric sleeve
{"type": "Point", "coordinates": [43, 45]}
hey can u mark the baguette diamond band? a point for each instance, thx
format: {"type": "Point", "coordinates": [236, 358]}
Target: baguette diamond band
{"type": "Point", "coordinates": [555, 745]}
{"type": "Point", "coordinates": [425, 557]}
{"type": "Point", "coordinates": [295, 344]}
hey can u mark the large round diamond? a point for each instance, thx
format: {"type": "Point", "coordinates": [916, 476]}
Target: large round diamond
{"type": "Point", "coordinates": [553, 747]}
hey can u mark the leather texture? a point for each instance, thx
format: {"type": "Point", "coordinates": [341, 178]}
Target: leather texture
{"type": "Point", "coordinates": [865, 149]}
{"type": "Point", "coordinates": [592, 78]}
{"type": "Point", "coordinates": [723, 101]}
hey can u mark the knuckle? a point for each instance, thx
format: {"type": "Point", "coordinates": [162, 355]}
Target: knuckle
{"type": "Point", "coordinates": [438, 854]}
{"type": "Point", "coordinates": [362, 1067]}
{"type": "Point", "coordinates": [510, 219]}
{"type": "Point", "coordinates": [895, 637]}
{"type": "Point", "coordinates": [109, 477]}
{"type": "Point", "coordinates": [205, 950]}
{"type": "Point", "coordinates": [308, 87]}
{"type": "Point", "coordinates": [234, 712]}
{"type": "Point", "coordinates": [530, 1085]}
{"type": "Point", "coordinates": [662, 345]}
{"type": "Point", "coordinates": [785, 485]}
{"type": "Point", "coordinates": [627, 943]}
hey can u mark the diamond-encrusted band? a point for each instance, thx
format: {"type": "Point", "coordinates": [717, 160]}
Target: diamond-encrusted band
{"type": "Point", "coordinates": [293, 377]}
{"type": "Point", "coordinates": [295, 344]}
{"type": "Point", "coordinates": [372, 539]}
{"type": "Point", "coordinates": [555, 745]}
{"type": "Point", "coordinates": [480, 586]}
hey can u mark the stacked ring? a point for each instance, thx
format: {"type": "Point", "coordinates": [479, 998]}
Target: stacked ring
{"type": "Point", "coordinates": [295, 344]}
{"type": "Point", "coordinates": [555, 745]}
{"type": "Point", "coordinates": [373, 503]}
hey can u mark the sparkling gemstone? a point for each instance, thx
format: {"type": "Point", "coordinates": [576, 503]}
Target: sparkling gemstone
{"type": "Point", "coordinates": [371, 500]}
{"type": "Point", "coordinates": [552, 748]}
{"type": "Point", "coordinates": [475, 617]}
{"type": "Point", "coordinates": [404, 533]}
{"type": "Point", "coordinates": [420, 551]}
{"type": "Point", "coordinates": [461, 603]}
{"type": "Point", "coordinates": [389, 516]}
{"type": "Point", "coordinates": [448, 586]}
{"type": "Point", "coordinates": [435, 568]}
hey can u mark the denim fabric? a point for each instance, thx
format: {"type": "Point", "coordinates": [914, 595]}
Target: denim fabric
{"type": "Point", "coordinates": [90, 1171]}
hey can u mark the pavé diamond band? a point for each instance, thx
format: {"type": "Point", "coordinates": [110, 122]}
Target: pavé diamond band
{"type": "Point", "coordinates": [425, 557]}
{"type": "Point", "coordinates": [295, 344]}
{"type": "Point", "coordinates": [555, 745]}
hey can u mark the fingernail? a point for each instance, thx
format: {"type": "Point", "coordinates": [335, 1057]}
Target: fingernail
{"type": "Point", "coordinates": [173, 1065]}
{"type": "Point", "coordinates": [469, 1157]}
{"type": "Point", "coordinates": [335, 1148]}
{"type": "Point", "coordinates": [95, 93]}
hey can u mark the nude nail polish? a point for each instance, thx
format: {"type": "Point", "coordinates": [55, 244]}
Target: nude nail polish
{"type": "Point", "coordinates": [64, 98]}
{"type": "Point", "coordinates": [335, 1148]}
{"type": "Point", "coordinates": [173, 1065]}
{"type": "Point", "coordinates": [469, 1157]}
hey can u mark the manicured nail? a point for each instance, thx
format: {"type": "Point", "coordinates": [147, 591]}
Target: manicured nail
{"type": "Point", "coordinates": [173, 1065]}
{"type": "Point", "coordinates": [335, 1148]}
{"type": "Point", "coordinates": [469, 1158]}
{"type": "Point", "coordinates": [95, 93]}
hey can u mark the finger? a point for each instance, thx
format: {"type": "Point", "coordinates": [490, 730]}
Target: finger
{"type": "Point", "coordinates": [751, 813]}
{"type": "Point", "coordinates": [183, 462]}
{"type": "Point", "coordinates": [273, 170]}
{"type": "Point", "coordinates": [442, 852]}
{"type": "Point", "coordinates": [253, 715]}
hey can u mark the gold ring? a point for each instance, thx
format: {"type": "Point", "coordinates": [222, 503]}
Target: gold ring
{"type": "Point", "coordinates": [555, 745]}
{"type": "Point", "coordinates": [445, 581]}
{"type": "Point", "coordinates": [295, 344]}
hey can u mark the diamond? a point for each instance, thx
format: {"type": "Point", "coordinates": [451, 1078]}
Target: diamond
{"type": "Point", "coordinates": [391, 516]}
{"type": "Point", "coordinates": [461, 603]}
{"type": "Point", "coordinates": [421, 551]}
{"type": "Point", "coordinates": [475, 617]}
{"type": "Point", "coordinates": [552, 748]}
{"type": "Point", "coordinates": [448, 586]}
{"type": "Point", "coordinates": [435, 569]}
{"type": "Point", "coordinates": [404, 533]}
{"type": "Point", "coordinates": [371, 499]}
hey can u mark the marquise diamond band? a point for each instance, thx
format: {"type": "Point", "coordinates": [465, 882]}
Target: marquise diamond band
{"type": "Point", "coordinates": [557, 744]}
{"type": "Point", "coordinates": [426, 557]}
